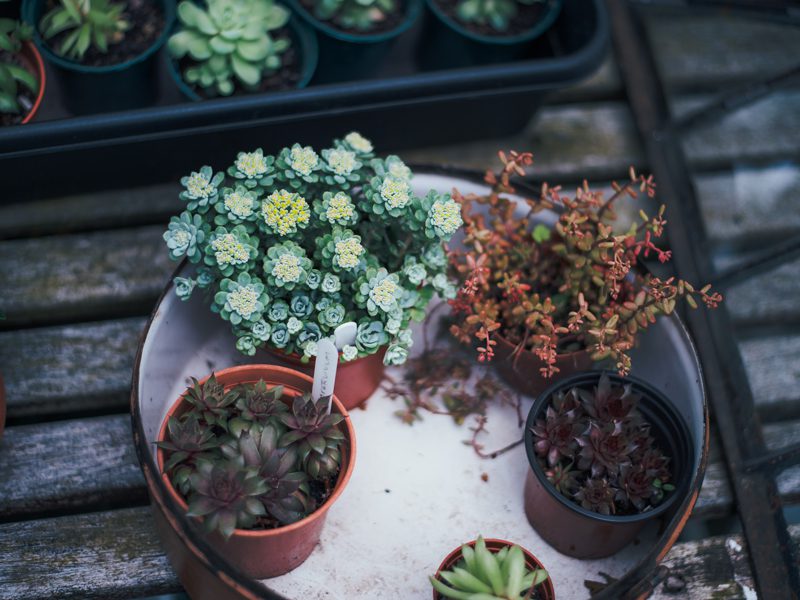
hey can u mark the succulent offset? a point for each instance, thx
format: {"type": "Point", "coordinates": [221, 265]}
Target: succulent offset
{"type": "Point", "coordinates": [485, 575]}
{"type": "Point", "coordinates": [248, 458]}
{"type": "Point", "coordinates": [595, 447]}
{"type": "Point", "coordinates": [90, 23]}
{"type": "Point", "coordinates": [12, 76]}
{"type": "Point", "coordinates": [498, 14]}
{"type": "Point", "coordinates": [361, 15]}
{"type": "Point", "coordinates": [289, 246]}
{"type": "Point", "coordinates": [227, 42]}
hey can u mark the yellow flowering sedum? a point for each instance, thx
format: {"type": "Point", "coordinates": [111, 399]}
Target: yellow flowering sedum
{"type": "Point", "coordinates": [230, 251]}
{"type": "Point", "coordinates": [340, 207]}
{"type": "Point", "coordinates": [199, 185]}
{"type": "Point", "coordinates": [252, 164]}
{"type": "Point", "coordinates": [287, 268]}
{"type": "Point", "coordinates": [395, 192]}
{"type": "Point", "coordinates": [303, 159]}
{"type": "Point", "coordinates": [446, 216]}
{"type": "Point", "coordinates": [239, 204]}
{"type": "Point", "coordinates": [348, 253]}
{"type": "Point", "coordinates": [341, 161]}
{"type": "Point", "coordinates": [244, 301]}
{"type": "Point", "coordinates": [358, 142]}
{"type": "Point", "coordinates": [285, 211]}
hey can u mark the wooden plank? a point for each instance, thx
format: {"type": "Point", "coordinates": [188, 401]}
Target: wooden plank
{"type": "Point", "coordinates": [63, 466]}
{"type": "Point", "coordinates": [603, 84]}
{"type": "Point", "coordinates": [108, 555]}
{"type": "Point", "coordinates": [129, 207]}
{"type": "Point", "coordinates": [709, 51]}
{"type": "Point", "coordinates": [73, 368]}
{"type": "Point", "coordinates": [767, 299]}
{"type": "Point", "coordinates": [773, 369]}
{"type": "Point", "coordinates": [77, 276]}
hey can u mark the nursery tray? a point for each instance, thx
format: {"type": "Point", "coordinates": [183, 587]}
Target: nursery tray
{"type": "Point", "coordinates": [418, 491]}
{"type": "Point", "coordinates": [401, 107]}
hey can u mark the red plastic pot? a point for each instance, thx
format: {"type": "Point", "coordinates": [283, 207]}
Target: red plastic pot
{"type": "Point", "coordinates": [545, 589]}
{"type": "Point", "coordinates": [581, 533]}
{"type": "Point", "coordinates": [356, 380]}
{"type": "Point", "coordinates": [262, 553]}
{"type": "Point", "coordinates": [522, 371]}
{"type": "Point", "coordinates": [32, 61]}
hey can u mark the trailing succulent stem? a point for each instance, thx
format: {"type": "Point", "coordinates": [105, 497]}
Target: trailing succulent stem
{"type": "Point", "coordinates": [487, 575]}
{"type": "Point", "coordinates": [12, 76]}
{"type": "Point", "coordinates": [90, 23]}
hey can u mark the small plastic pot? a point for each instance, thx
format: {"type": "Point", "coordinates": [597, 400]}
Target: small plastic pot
{"type": "Point", "coordinates": [522, 371]}
{"type": "Point", "coordinates": [356, 380]}
{"type": "Point", "coordinates": [33, 62]}
{"type": "Point", "coordinates": [581, 533]}
{"type": "Point", "coordinates": [545, 589]}
{"type": "Point", "coordinates": [261, 554]}
{"type": "Point", "coordinates": [345, 56]}
{"type": "Point", "coordinates": [88, 89]}
{"type": "Point", "coordinates": [302, 38]}
{"type": "Point", "coordinates": [446, 43]}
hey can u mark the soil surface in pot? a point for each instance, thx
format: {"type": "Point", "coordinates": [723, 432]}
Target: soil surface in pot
{"type": "Point", "coordinates": [147, 23]}
{"type": "Point", "coordinates": [285, 78]}
{"type": "Point", "coordinates": [526, 19]}
{"type": "Point", "coordinates": [391, 22]}
{"type": "Point", "coordinates": [25, 97]}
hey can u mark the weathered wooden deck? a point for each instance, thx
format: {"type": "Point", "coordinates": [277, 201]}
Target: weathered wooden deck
{"type": "Point", "coordinates": [80, 274]}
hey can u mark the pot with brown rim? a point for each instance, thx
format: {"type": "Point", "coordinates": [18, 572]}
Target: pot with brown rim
{"type": "Point", "coordinates": [543, 591]}
{"type": "Point", "coordinates": [567, 525]}
{"type": "Point", "coordinates": [29, 92]}
{"type": "Point", "coordinates": [263, 553]}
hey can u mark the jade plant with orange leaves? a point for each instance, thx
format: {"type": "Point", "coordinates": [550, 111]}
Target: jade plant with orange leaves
{"type": "Point", "coordinates": [578, 284]}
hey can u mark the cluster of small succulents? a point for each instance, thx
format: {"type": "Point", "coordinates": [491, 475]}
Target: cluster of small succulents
{"type": "Point", "coordinates": [485, 575]}
{"type": "Point", "coordinates": [293, 245]}
{"type": "Point", "coordinates": [12, 76]}
{"type": "Point", "coordinates": [497, 14]}
{"type": "Point", "coordinates": [90, 23]}
{"type": "Point", "coordinates": [361, 15]}
{"type": "Point", "coordinates": [245, 459]}
{"type": "Point", "coordinates": [596, 448]}
{"type": "Point", "coordinates": [229, 41]}
{"type": "Point", "coordinates": [577, 286]}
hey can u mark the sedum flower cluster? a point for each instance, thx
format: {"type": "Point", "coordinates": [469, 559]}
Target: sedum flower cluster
{"type": "Point", "coordinates": [291, 246]}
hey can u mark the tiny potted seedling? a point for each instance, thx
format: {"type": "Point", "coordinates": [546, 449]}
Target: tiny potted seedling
{"type": "Point", "coordinates": [22, 78]}
{"type": "Point", "coordinates": [104, 51]}
{"type": "Point", "coordinates": [491, 570]}
{"type": "Point", "coordinates": [226, 47]}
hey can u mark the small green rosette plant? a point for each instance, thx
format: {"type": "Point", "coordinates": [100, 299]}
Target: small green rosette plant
{"type": "Point", "coordinates": [290, 246]}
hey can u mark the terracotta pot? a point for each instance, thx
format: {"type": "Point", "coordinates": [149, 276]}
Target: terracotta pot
{"type": "Point", "coordinates": [545, 589]}
{"type": "Point", "coordinates": [522, 371]}
{"type": "Point", "coordinates": [581, 533]}
{"type": "Point", "coordinates": [356, 380]}
{"type": "Point", "coordinates": [2, 406]}
{"type": "Point", "coordinates": [33, 62]}
{"type": "Point", "coordinates": [268, 553]}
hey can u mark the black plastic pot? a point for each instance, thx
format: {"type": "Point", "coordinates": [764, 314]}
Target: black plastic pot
{"type": "Point", "coordinates": [302, 39]}
{"type": "Point", "coordinates": [11, 9]}
{"type": "Point", "coordinates": [446, 43]}
{"type": "Point", "coordinates": [344, 55]}
{"type": "Point", "coordinates": [581, 533]}
{"type": "Point", "coordinates": [88, 90]}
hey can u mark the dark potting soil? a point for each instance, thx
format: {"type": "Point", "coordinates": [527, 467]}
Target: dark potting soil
{"type": "Point", "coordinates": [527, 17]}
{"type": "Point", "coordinates": [285, 78]}
{"type": "Point", "coordinates": [391, 22]}
{"type": "Point", "coordinates": [147, 23]}
{"type": "Point", "coordinates": [25, 97]}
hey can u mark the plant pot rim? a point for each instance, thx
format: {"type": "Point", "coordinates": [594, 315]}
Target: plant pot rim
{"type": "Point", "coordinates": [309, 57]}
{"type": "Point", "coordinates": [345, 473]}
{"type": "Point", "coordinates": [642, 386]}
{"type": "Point", "coordinates": [413, 9]}
{"type": "Point", "coordinates": [551, 12]}
{"type": "Point", "coordinates": [29, 12]}
{"type": "Point", "coordinates": [30, 50]}
{"type": "Point", "coordinates": [453, 556]}
{"type": "Point", "coordinates": [296, 359]}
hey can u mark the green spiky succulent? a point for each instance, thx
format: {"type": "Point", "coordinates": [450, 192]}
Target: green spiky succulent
{"type": "Point", "coordinates": [361, 15]}
{"type": "Point", "coordinates": [90, 23]}
{"type": "Point", "coordinates": [497, 14]}
{"type": "Point", "coordinates": [12, 76]}
{"type": "Point", "coordinates": [229, 41]}
{"type": "Point", "coordinates": [485, 575]}
{"type": "Point", "coordinates": [243, 458]}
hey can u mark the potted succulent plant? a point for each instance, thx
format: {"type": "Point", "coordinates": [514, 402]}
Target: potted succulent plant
{"type": "Point", "coordinates": [491, 570]}
{"type": "Point", "coordinates": [292, 245]}
{"type": "Point", "coordinates": [545, 301]}
{"type": "Point", "coordinates": [22, 78]}
{"type": "Point", "coordinates": [355, 35]}
{"type": "Point", "coordinates": [468, 32]}
{"type": "Point", "coordinates": [104, 51]}
{"type": "Point", "coordinates": [249, 453]}
{"type": "Point", "coordinates": [608, 454]}
{"type": "Point", "coordinates": [224, 47]}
